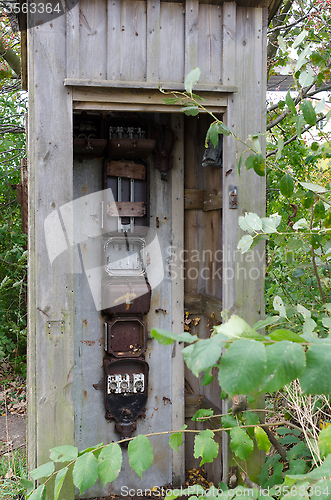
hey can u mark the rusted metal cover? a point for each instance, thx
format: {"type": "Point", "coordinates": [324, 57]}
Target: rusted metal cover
{"type": "Point", "coordinates": [125, 337]}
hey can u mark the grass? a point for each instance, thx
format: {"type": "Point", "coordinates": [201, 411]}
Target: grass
{"type": "Point", "coordinates": [13, 472]}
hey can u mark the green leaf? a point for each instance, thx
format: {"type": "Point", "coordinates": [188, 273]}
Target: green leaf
{"type": "Point", "coordinates": [245, 243]}
{"type": "Point", "coordinates": [280, 146]}
{"type": "Point", "coordinates": [190, 110]}
{"type": "Point", "coordinates": [241, 444]}
{"type": "Point", "coordinates": [285, 362]}
{"type": "Point", "coordinates": [299, 39]}
{"type": "Point", "coordinates": [286, 186]}
{"type": "Point", "coordinates": [298, 272]}
{"type": "Point", "coordinates": [176, 439]}
{"type": "Point", "coordinates": [313, 187]}
{"type": "Point", "coordinates": [289, 439]}
{"type": "Point", "coordinates": [85, 471]}
{"type": "Point", "coordinates": [236, 328]}
{"type": "Point", "coordinates": [270, 320]}
{"type": "Point", "coordinates": [205, 447]}
{"type": "Point", "coordinates": [229, 421]}
{"type": "Point", "coordinates": [140, 453]}
{"type": "Point", "coordinates": [308, 199]}
{"type": "Point", "coordinates": [283, 334]}
{"type": "Point", "coordinates": [302, 59]}
{"type": "Point", "coordinates": [192, 79]}
{"type": "Point", "coordinates": [223, 129]}
{"type": "Point", "coordinates": [212, 134]}
{"type": "Point", "coordinates": [268, 225]}
{"type": "Point", "coordinates": [319, 210]}
{"type": "Point", "coordinates": [290, 103]}
{"type": "Point", "coordinates": [262, 439]}
{"type": "Point", "coordinates": [295, 451]}
{"type": "Point", "coordinates": [39, 493]}
{"type": "Point", "coordinates": [298, 124]}
{"type": "Point", "coordinates": [44, 470]}
{"type": "Point", "coordinates": [316, 379]}
{"type": "Point", "coordinates": [324, 441]}
{"type": "Point", "coordinates": [298, 466]}
{"type": "Point", "coordinates": [27, 485]}
{"type": "Point", "coordinates": [308, 112]}
{"type": "Point", "coordinates": [306, 78]}
{"type": "Point", "coordinates": [165, 338]}
{"type": "Point", "coordinates": [250, 418]}
{"type": "Point", "coordinates": [278, 305]}
{"type": "Point", "coordinates": [259, 165]}
{"type": "Point", "coordinates": [249, 162]}
{"type": "Point", "coordinates": [203, 412]}
{"type": "Point", "coordinates": [65, 453]}
{"type": "Point", "coordinates": [321, 490]}
{"type": "Point", "coordinates": [59, 479]}
{"type": "Point", "coordinates": [207, 378]}
{"type": "Point", "coordinates": [199, 356]}
{"type": "Point", "coordinates": [109, 463]}
{"type": "Point", "coordinates": [242, 367]}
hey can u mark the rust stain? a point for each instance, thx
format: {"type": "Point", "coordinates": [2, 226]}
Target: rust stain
{"type": "Point", "coordinates": [155, 409]}
{"type": "Point", "coordinates": [84, 189]}
{"type": "Point", "coordinates": [44, 312]}
{"type": "Point", "coordinates": [100, 340]}
{"type": "Point", "coordinates": [85, 394]}
{"type": "Point", "coordinates": [166, 401]}
{"type": "Point", "coordinates": [85, 322]}
{"type": "Point", "coordinates": [88, 342]}
{"type": "Point", "coordinates": [161, 310]}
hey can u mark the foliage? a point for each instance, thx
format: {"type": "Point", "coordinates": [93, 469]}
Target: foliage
{"type": "Point", "coordinates": [13, 254]}
{"type": "Point", "coordinates": [13, 473]}
{"type": "Point", "coordinates": [296, 348]}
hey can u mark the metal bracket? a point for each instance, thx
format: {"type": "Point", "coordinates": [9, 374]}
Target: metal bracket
{"type": "Point", "coordinates": [55, 327]}
{"type": "Point", "coordinates": [233, 196]}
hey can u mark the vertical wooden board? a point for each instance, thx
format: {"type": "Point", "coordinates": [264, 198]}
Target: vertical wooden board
{"type": "Point", "coordinates": [243, 275]}
{"type": "Point", "coordinates": [153, 40]}
{"type": "Point", "coordinates": [192, 34]}
{"type": "Point", "coordinates": [133, 63]}
{"type": "Point", "coordinates": [50, 348]}
{"type": "Point", "coordinates": [177, 292]}
{"type": "Point", "coordinates": [172, 43]}
{"type": "Point", "coordinates": [229, 62]}
{"type": "Point", "coordinates": [93, 39]}
{"type": "Point", "coordinates": [210, 43]}
{"type": "Point", "coordinates": [113, 39]}
{"type": "Point", "coordinates": [72, 39]}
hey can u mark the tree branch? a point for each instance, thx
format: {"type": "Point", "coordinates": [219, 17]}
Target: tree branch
{"type": "Point", "coordinates": [11, 57]}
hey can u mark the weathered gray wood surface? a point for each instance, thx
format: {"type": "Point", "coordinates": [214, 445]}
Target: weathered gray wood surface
{"type": "Point", "coordinates": [51, 298]}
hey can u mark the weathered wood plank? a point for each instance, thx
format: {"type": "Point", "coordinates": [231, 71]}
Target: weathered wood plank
{"type": "Point", "coordinates": [148, 85]}
{"type": "Point", "coordinates": [126, 209]}
{"type": "Point", "coordinates": [229, 60]}
{"type": "Point", "coordinates": [192, 34]}
{"type": "Point", "coordinates": [50, 357]}
{"type": "Point", "coordinates": [177, 292]}
{"type": "Point", "coordinates": [201, 303]}
{"type": "Point", "coordinates": [72, 39]}
{"type": "Point", "coordinates": [113, 39]}
{"type": "Point", "coordinates": [127, 169]}
{"type": "Point", "coordinates": [172, 34]}
{"type": "Point", "coordinates": [133, 62]}
{"type": "Point", "coordinates": [212, 199]}
{"type": "Point", "coordinates": [153, 40]}
{"type": "Point", "coordinates": [92, 37]}
{"type": "Point", "coordinates": [144, 108]}
{"type": "Point", "coordinates": [193, 199]}
{"type": "Point", "coordinates": [210, 44]}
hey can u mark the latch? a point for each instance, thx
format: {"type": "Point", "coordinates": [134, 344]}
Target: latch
{"type": "Point", "coordinates": [233, 196]}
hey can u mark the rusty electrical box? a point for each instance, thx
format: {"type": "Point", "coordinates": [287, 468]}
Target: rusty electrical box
{"type": "Point", "coordinates": [126, 144]}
